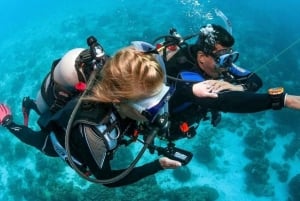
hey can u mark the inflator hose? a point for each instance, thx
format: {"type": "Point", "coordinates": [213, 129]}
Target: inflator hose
{"type": "Point", "coordinates": [149, 139]}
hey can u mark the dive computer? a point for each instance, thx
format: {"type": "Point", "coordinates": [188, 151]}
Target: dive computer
{"type": "Point", "coordinates": [277, 96]}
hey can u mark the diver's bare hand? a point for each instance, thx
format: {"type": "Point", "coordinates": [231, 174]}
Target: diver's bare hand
{"type": "Point", "coordinates": [204, 90]}
{"type": "Point", "coordinates": [220, 85]}
{"type": "Point", "coordinates": [167, 163]}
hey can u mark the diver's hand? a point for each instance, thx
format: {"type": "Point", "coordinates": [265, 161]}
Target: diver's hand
{"type": "Point", "coordinates": [292, 101]}
{"type": "Point", "coordinates": [5, 115]}
{"type": "Point", "coordinates": [204, 90]}
{"type": "Point", "coordinates": [220, 85]}
{"type": "Point", "coordinates": [167, 163]}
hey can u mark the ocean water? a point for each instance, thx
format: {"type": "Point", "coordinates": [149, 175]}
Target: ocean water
{"type": "Point", "coordinates": [34, 33]}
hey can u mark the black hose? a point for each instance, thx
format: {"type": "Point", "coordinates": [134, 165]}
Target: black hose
{"type": "Point", "coordinates": [149, 139]}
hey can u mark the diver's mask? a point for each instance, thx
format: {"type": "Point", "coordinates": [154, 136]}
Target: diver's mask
{"type": "Point", "coordinates": [154, 105]}
{"type": "Point", "coordinates": [225, 58]}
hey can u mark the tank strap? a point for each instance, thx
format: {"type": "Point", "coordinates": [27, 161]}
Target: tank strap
{"type": "Point", "coordinates": [55, 95]}
{"type": "Point", "coordinates": [46, 89]}
{"type": "Point", "coordinates": [61, 97]}
{"type": "Point", "coordinates": [83, 65]}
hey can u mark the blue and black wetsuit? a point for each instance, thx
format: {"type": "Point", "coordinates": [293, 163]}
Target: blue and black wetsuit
{"type": "Point", "coordinates": [185, 107]}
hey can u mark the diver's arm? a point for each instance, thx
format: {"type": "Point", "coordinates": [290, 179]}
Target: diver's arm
{"type": "Point", "coordinates": [81, 150]}
{"type": "Point", "coordinates": [247, 80]}
{"type": "Point", "coordinates": [208, 87]}
{"type": "Point", "coordinates": [248, 102]}
{"type": "Point", "coordinates": [233, 101]}
{"type": "Point", "coordinates": [143, 171]}
{"type": "Point", "coordinates": [136, 174]}
{"type": "Point", "coordinates": [238, 102]}
{"type": "Point", "coordinates": [28, 136]}
{"type": "Point", "coordinates": [251, 83]}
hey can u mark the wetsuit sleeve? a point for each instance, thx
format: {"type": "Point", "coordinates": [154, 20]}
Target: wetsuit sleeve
{"type": "Point", "coordinates": [237, 102]}
{"type": "Point", "coordinates": [229, 101]}
{"type": "Point", "coordinates": [137, 174]}
{"type": "Point", "coordinates": [37, 139]}
{"type": "Point", "coordinates": [251, 82]}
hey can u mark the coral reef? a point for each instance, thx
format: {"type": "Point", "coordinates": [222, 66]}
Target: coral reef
{"type": "Point", "coordinates": [202, 193]}
{"type": "Point", "coordinates": [258, 144]}
{"type": "Point", "coordinates": [282, 171]}
{"type": "Point", "coordinates": [182, 174]}
{"type": "Point", "coordinates": [292, 149]}
{"type": "Point", "coordinates": [293, 187]}
{"type": "Point", "coordinates": [257, 177]}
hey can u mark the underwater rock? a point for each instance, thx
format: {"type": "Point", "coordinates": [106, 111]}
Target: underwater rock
{"type": "Point", "coordinates": [257, 171]}
{"type": "Point", "coordinates": [269, 145]}
{"type": "Point", "coordinates": [254, 152]}
{"type": "Point", "coordinates": [257, 178]}
{"type": "Point", "coordinates": [254, 137]}
{"type": "Point", "coordinates": [293, 148]}
{"type": "Point", "coordinates": [182, 174]}
{"type": "Point", "coordinates": [201, 193]}
{"type": "Point", "coordinates": [293, 188]}
{"type": "Point", "coordinates": [270, 134]}
{"type": "Point", "coordinates": [282, 171]}
{"type": "Point", "coordinates": [260, 190]}
{"type": "Point", "coordinates": [205, 154]}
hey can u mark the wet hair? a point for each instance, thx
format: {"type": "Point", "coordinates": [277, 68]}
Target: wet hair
{"type": "Point", "coordinates": [210, 35]}
{"type": "Point", "coordinates": [128, 75]}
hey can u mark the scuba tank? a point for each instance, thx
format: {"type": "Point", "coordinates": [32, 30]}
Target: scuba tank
{"type": "Point", "coordinates": [62, 74]}
{"type": "Point", "coordinates": [69, 75]}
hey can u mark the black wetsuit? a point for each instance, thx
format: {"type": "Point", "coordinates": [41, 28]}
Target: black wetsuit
{"type": "Point", "coordinates": [80, 148]}
{"type": "Point", "coordinates": [184, 106]}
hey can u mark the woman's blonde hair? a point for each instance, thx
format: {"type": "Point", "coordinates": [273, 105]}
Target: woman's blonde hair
{"type": "Point", "coordinates": [128, 75]}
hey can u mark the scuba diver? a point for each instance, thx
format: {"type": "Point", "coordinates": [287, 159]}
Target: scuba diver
{"type": "Point", "coordinates": [209, 63]}
{"type": "Point", "coordinates": [124, 97]}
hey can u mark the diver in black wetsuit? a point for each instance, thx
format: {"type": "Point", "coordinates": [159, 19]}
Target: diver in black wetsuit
{"type": "Point", "coordinates": [116, 104]}
{"type": "Point", "coordinates": [210, 63]}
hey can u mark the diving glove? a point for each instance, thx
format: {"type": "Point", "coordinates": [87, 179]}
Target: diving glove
{"type": "Point", "coordinates": [5, 115]}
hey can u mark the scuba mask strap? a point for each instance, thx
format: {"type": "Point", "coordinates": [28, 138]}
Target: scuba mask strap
{"type": "Point", "coordinates": [148, 48]}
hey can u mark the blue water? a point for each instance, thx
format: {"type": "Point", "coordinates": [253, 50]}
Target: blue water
{"type": "Point", "coordinates": [34, 33]}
